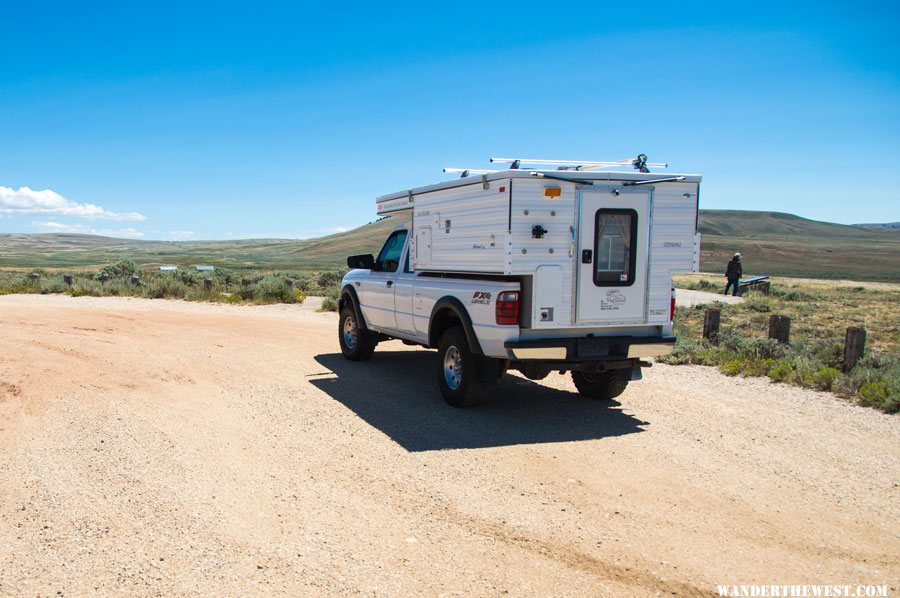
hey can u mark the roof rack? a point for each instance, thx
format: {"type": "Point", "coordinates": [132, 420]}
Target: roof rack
{"type": "Point", "coordinates": [464, 172]}
{"type": "Point", "coordinates": [639, 163]}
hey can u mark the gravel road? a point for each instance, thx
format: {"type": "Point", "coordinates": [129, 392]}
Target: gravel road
{"type": "Point", "coordinates": [689, 298]}
{"type": "Point", "coordinates": [170, 448]}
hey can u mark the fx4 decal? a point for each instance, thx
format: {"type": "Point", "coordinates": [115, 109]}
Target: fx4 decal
{"type": "Point", "coordinates": [483, 297]}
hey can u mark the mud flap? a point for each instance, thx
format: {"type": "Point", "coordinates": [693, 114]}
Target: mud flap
{"type": "Point", "coordinates": [490, 370]}
{"type": "Point", "coordinates": [634, 374]}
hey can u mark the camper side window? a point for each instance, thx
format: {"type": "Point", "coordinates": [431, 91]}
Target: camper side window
{"type": "Point", "coordinates": [614, 247]}
{"type": "Point", "coordinates": [389, 257]}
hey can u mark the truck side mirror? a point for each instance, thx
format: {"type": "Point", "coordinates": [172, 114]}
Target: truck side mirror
{"type": "Point", "coordinates": [361, 262]}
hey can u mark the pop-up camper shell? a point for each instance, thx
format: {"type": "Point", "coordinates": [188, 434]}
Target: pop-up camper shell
{"type": "Point", "coordinates": [590, 248]}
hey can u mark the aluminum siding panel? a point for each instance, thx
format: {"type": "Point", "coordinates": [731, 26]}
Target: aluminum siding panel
{"type": "Point", "coordinates": [476, 240]}
{"type": "Point", "coordinates": [557, 215]}
{"type": "Point", "coordinates": [671, 244]}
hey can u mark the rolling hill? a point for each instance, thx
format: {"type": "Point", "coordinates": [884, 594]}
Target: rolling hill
{"type": "Point", "coordinates": [770, 242]}
{"type": "Point", "coordinates": [52, 250]}
{"type": "Point", "coordinates": [881, 225]}
{"type": "Point", "coordinates": [788, 245]}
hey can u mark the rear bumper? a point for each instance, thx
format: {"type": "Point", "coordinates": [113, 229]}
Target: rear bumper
{"type": "Point", "coordinates": [611, 348]}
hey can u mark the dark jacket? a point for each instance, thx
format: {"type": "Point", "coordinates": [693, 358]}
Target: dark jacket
{"type": "Point", "coordinates": [734, 269]}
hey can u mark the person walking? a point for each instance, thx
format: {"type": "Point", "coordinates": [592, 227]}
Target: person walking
{"type": "Point", "coordinates": [733, 273]}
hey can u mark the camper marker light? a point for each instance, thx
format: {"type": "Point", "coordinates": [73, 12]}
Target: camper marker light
{"type": "Point", "coordinates": [552, 191]}
{"type": "Point", "coordinates": [672, 307]}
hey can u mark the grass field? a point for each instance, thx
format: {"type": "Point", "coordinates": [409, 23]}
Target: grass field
{"type": "Point", "coordinates": [820, 313]}
{"type": "Point", "coordinates": [220, 285]}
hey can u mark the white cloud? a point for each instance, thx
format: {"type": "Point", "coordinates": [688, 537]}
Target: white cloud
{"type": "Point", "coordinates": [81, 229]}
{"type": "Point", "coordinates": [49, 203]}
{"type": "Point", "coordinates": [180, 235]}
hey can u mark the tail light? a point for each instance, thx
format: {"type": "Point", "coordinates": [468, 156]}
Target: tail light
{"type": "Point", "coordinates": [672, 307]}
{"type": "Point", "coordinates": [508, 308]}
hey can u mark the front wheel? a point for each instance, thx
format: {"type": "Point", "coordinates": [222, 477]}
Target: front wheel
{"type": "Point", "coordinates": [356, 344]}
{"type": "Point", "coordinates": [457, 370]}
{"type": "Point", "coordinates": [599, 385]}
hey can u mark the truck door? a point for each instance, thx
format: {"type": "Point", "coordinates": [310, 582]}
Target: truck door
{"type": "Point", "coordinates": [376, 291]}
{"type": "Point", "coordinates": [404, 287]}
{"type": "Point", "coordinates": [614, 233]}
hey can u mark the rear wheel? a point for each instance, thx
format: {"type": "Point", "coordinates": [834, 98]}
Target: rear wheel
{"type": "Point", "coordinates": [458, 370]}
{"type": "Point", "coordinates": [356, 344]}
{"type": "Point", "coordinates": [599, 385]}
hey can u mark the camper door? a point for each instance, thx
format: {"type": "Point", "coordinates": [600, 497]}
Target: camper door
{"type": "Point", "coordinates": [614, 233]}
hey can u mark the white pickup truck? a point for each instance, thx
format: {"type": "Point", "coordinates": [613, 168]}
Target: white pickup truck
{"type": "Point", "coordinates": [536, 271]}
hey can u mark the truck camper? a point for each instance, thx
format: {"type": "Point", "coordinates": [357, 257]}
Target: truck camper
{"type": "Point", "coordinates": [543, 266]}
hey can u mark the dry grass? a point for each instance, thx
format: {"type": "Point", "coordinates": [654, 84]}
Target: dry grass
{"type": "Point", "coordinates": [820, 313]}
{"type": "Point", "coordinates": [246, 286]}
{"type": "Point", "coordinates": [818, 308]}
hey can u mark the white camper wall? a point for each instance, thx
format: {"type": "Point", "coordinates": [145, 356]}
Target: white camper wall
{"type": "Point", "coordinates": [673, 216]}
{"type": "Point", "coordinates": [490, 232]}
{"type": "Point", "coordinates": [551, 258]}
{"type": "Point", "coordinates": [462, 229]}
{"type": "Point", "coordinates": [672, 227]}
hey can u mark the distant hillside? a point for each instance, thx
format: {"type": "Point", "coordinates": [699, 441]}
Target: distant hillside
{"type": "Point", "coordinates": [772, 225]}
{"type": "Point", "coordinates": [770, 242]}
{"type": "Point", "coordinates": [788, 245]}
{"type": "Point", "coordinates": [68, 250]}
{"type": "Point", "coordinates": [876, 225]}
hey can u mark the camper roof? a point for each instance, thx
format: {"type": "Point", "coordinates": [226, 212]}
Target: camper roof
{"type": "Point", "coordinates": [403, 200]}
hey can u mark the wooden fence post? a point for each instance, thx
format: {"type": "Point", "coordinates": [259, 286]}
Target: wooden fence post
{"type": "Point", "coordinates": [67, 278]}
{"type": "Point", "coordinates": [711, 325]}
{"type": "Point", "coordinates": [780, 328]}
{"type": "Point", "coordinates": [854, 346]}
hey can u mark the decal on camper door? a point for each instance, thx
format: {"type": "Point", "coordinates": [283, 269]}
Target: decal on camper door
{"type": "Point", "coordinates": [614, 300]}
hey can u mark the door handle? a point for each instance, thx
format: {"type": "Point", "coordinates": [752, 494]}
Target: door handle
{"type": "Point", "coordinates": [390, 283]}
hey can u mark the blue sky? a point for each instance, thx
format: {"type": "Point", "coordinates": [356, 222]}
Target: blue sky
{"type": "Point", "coordinates": [224, 120]}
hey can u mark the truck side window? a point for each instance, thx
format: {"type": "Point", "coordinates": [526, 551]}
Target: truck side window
{"type": "Point", "coordinates": [389, 257]}
{"type": "Point", "coordinates": [614, 247]}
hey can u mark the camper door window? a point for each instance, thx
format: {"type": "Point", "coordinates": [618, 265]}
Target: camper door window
{"type": "Point", "coordinates": [389, 258]}
{"type": "Point", "coordinates": [616, 233]}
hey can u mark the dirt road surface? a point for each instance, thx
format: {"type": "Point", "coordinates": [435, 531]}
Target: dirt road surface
{"type": "Point", "coordinates": [153, 447]}
{"type": "Point", "coordinates": [689, 298]}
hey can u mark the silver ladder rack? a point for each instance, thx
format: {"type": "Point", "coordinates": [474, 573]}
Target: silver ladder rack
{"type": "Point", "coordinates": [639, 163]}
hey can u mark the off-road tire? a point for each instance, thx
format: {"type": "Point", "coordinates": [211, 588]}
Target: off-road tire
{"type": "Point", "coordinates": [602, 386]}
{"type": "Point", "coordinates": [457, 370]}
{"type": "Point", "coordinates": [356, 344]}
